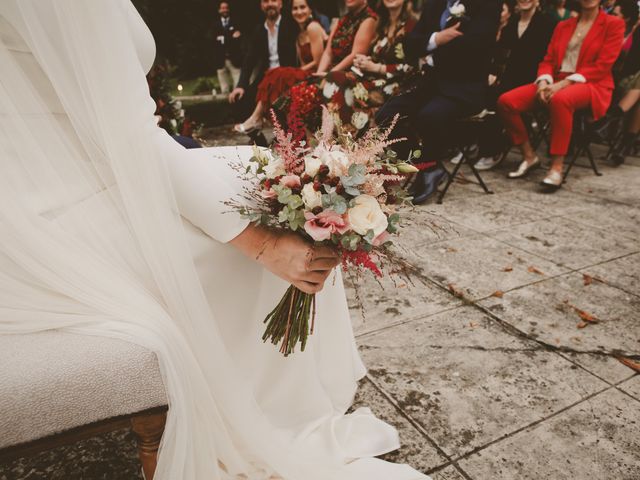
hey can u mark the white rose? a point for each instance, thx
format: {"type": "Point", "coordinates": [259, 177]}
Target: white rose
{"type": "Point", "coordinates": [311, 165]}
{"type": "Point", "coordinates": [275, 168]}
{"type": "Point", "coordinates": [389, 89]}
{"type": "Point", "coordinates": [348, 97]}
{"type": "Point", "coordinates": [329, 90]}
{"type": "Point", "coordinates": [359, 120]}
{"type": "Point", "coordinates": [457, 10]}
{"type": "Point", "coordinates": [311, 197]}
{"type": "Point", "coordinates": [178, 104]}
{"type": "Point", "coordinates": [367, 215]}
{"type": "Point", "coordinates": [337, 161]}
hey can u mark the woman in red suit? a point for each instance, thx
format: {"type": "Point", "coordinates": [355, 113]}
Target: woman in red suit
{"type": "Point", "coordinates": [575, 74]}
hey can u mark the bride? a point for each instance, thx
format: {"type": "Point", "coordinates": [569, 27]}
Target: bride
{"type": "Point", "coordinates": [108, 227]}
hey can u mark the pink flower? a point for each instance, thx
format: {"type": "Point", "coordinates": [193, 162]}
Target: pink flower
{"type": "Point", "coordinates": [268, 194]}
{"type": "Point", "coordinates": [380, 239]}
{"type": "Point", "coordinates": [291, 181]}
{"type": "Point", "coordinates": [320, 227]}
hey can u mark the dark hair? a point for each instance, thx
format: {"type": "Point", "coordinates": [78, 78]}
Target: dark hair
{"type": "Point", "coordinates": [629, 10]}
{"type": "Point", "coordinates": [511, 5]}
{"type": "Point", "coordinates": [383, 17]}
{"type": "Point", "coordinates": [313, 17]}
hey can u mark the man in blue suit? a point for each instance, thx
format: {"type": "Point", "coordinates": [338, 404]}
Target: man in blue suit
{"type": "Point", "coordinates": [456, 37]}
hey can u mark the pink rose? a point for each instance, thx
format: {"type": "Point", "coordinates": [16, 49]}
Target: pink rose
{"type": "Point", "coordinates": [268, 194]}
{"type": "Point", "coordinates": [320, 227]}
{"type": "Point", "coordinates": [291, 181]}
{"type": "Point", "coordinates": [380, 239]}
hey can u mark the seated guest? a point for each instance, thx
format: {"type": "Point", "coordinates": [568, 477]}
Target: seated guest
{"type": "Point", "coordinates": [309, 48]}
{"type": "Point", "coordinates": [523, 43]}
{"type": "Point", "coordinates": [628, 89]}
{"type": "Point", "coordinates": [627, 10]}
{"type": "Point", "coordinates": [459, 43]}
{"type": "Point", "coordinates": [574, 75]}
{"type": "Point", "coordinates": [352, 35]}
{"type": "Point", "coordinates": [558, 11]}
{"type": "Point", "coordinates": [373, 79]}
{"type": "Point", "coordinates": [272, 45]}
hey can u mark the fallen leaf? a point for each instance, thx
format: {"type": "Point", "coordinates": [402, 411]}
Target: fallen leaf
{"type": "Point", "coordinates": [581, 325]}
{"type": "Point", "coordinates": [472, 325]}
{"type": "Point", "coordinates": [452, 288]}
{"type": "Point", "coordinates": [508, 268]}
{"type": "Point", "coordinates": [498, 293]}
{"type": "Point", "coordinates": [632, 364]}
{"type": "Point", "coordinates": [533, 269]}
{"type": "Point", "coordinates": [587, 279]}
{"type": "Point", "coordinates": [509, 253]}
{"type": "Point", "coordinates": [586, 317]}
{"type": "Point", "coordinates": [452, 250]}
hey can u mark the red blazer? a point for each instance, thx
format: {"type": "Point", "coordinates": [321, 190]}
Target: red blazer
{"type": "Point", "coordinates": [599, 52]}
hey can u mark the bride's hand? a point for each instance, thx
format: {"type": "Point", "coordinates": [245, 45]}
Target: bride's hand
{"type": "Point", "coordinates": [288, 256]}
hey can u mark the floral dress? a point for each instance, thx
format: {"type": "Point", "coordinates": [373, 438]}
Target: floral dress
{"type": "Point", "coordinates": [356, 97]}
{"type": "Point", "coordinates": [348, 25]}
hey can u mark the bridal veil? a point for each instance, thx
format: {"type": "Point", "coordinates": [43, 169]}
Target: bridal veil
{"type": "Point", "coordinates": [93, 202]}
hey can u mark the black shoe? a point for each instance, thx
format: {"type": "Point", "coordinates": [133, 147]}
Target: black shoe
{"type": "Point", "coordinates": [431, 179]}
{"type": "Point", "coordinates": [259, 139]}
{"type": "Point", "coordinates": [417, 185]}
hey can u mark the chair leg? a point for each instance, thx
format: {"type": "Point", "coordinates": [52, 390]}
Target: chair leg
{"type": "Point", "coordinates": [452, 176]}
{"type": "Point", "coordinates": [479, 178]}
{"type": "Point", "coordinates": [148, 429]}
{"type": "Point", "coordinates": [576, 154]}
{"type": "Point", "coordinates": [592, 161]}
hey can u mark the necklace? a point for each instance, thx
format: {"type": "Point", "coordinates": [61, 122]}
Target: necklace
{"type": "Point", "coordinates": [581, 29]}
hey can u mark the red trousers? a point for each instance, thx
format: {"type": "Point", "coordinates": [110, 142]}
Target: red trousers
{"type": "Point", "coordinates": [561, 108]}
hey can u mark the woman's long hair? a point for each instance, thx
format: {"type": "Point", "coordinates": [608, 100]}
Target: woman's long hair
{"type": "Point", "coordinates": [384, 19]}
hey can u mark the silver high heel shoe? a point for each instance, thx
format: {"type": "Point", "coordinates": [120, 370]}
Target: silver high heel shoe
{"type": "Point", "coordinates": [524, 168]}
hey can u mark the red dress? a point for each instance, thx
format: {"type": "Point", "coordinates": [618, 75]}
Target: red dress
{"type": "Point", "coordinates": [279, 80]}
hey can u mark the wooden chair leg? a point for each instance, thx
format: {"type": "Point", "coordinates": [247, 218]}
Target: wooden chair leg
{"type": "Point", "coordinates": [148, 429]}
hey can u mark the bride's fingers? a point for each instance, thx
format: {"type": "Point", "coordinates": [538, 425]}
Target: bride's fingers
{"type": "Point", "coordinates": [315, 277]}
{"type": "Point", "coordinates": [321, 264]}
{"type": "Point", "coordinates": [323, 252]}
{"type": "Point", "coordinates": [308, 287]}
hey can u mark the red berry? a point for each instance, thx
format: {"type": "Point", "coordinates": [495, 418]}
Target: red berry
{"type": "Point", "coordinates": [317, 186]}
{"type": "Point", "coordinates": [306, 178]}
{"type": "Point", "coordinates": [316, 210]}
{"type": "Point", "coordinates": [323, 170]}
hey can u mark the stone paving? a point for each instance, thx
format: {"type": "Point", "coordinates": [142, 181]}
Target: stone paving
{"type": "Point", "coordinates": [502, 363]}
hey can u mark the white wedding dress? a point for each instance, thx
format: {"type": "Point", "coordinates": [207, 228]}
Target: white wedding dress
{"type": "Point", "coordinates": [108, 227]}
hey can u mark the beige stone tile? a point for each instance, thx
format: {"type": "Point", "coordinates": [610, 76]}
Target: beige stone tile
{"type": "Point", "coordinates": [547, 311]}
{"type": "Point", "coordinates": [467, 381]}
{"type": "Point", "coordinates": [415, 450]}
{"type": "Point", "coordinates": [567, 243]}
{"type": "Point", "coordinates": [596, 439]}
{"type": "Point", "coordinates": [479, 266]}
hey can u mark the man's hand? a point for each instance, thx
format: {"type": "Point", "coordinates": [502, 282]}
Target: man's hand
{"type": "Point", "coordinates": [236, 34]}
{"type": "Point", "coordinates": [445, 36]}
{"type": "Point", "coordinates": [236, 94]}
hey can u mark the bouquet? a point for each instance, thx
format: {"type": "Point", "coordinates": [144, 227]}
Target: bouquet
{"type": "Point", "coordinates": [334, 191]}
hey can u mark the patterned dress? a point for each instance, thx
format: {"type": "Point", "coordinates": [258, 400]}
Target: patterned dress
{"type": "Point", "coordinates": [355, 98]}
{"type": "Point", "coordinates": [345, 34]}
